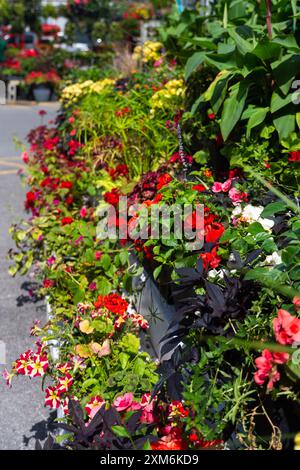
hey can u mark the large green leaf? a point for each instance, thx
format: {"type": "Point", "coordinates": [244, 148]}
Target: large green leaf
{"type": "Point", "coordinates": [285, 125]}
{"type": "Point", "coordinates": [233, 107]}
{"type": "Point", "coordinates": [222, 61]}
{"type": "Point", "coordinates": [278, 101]}
{"type": "Point", "coordinates": [256, 118]}
{"type": "Point", "coordinates": [242, 44]}
{"type": "Point", "coordinates": [266, 50]}
{"type": "Point", "coordinates": [194, 62]}
{"type": "Point", "coordinates": [285, 71]}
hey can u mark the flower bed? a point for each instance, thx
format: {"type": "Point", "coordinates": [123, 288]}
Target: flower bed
{"type": "Point", "coordinates": [233, 374]}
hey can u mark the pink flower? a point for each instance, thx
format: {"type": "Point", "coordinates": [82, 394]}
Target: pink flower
{"type": "Point", "coordinates": [25, 157]}
{"type": "Point", "coordinates": [93, 286]}
{"type": "Point", "coordinates": [267, 368]}
{"type": "Point", "coordinates": [94, 405]}
{"type": "Point", "coordinates": [286, 327]}
{"type": "Point", "coordinates": [226, 186]}
{"type": "Point", "coordinates": [237, 196]}
{"type": "Point", "coordinates": [51, 260]}
{"type": "Point", "coordinates": [158, 62]}
{"type": "Point", "coordinates": [83, 212]}
{"type": "Point", "coordinates": [71, 119]}
{"type": "Point", "coordinates": [217, 187]}
{"type": "Point", "coordinates": [124, 402]}
{"type": "Point", "coordinates": [296, 302]}
{"type": "Point", "coordinates": [98, 255]}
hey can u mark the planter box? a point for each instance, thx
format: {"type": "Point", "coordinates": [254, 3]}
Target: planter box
{"type": "Point", "coordinates": [149, 302]}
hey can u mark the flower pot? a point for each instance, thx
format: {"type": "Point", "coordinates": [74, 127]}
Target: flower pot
{"type": "Point", "coordinates": [153, 306]}
{"type": "Point", "coordinates": [41, 93]}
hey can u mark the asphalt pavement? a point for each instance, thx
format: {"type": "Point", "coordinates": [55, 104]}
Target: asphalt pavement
{"type": "Point", "coordinates": [23, 417]}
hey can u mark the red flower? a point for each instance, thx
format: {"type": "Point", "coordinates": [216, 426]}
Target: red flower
{"type": "Point", "coordinates": [163, 180]}
{"type": "Point", "coordinates": [211, 116]}
{"type": "Point", "coordinates": [30, 198]}
{"type": "Point", "coordinates": [67, 221]}
{"type": "Point", "coordinates": [199, 187]}
{"type": "Point", "coordinates": [52, 398]}
{"type": "Point", "coordinates": [69, 200]}
{"type": "Point", "coordinates": [99, 302]}
{"type": "Point", "coordinates": [48, 283]}
{"type": "Point", "coordinates": [294, 156]}
{"type": "Point", "coordinates": [116, 304]}
{"type": "Point", "coordinates": [112, 197]}
{"type": "Point", "coordinates": [211, 259]}
{"type": "Point", "coordinates": [214, 232]}
{"type": "Point", "coordinates": [286, 327]}
{"type": "Point", "coordinates": [65, 383]}
{"type": "Point", "coordinates": [66, 185]}
{"type": "Point", "coordinates": [38, 366]}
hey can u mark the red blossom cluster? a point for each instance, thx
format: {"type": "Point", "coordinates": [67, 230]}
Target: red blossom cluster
{"type": "Point", "coordinates": [287, 332]}
{"type": "Point", "coordinates": [294, 156]}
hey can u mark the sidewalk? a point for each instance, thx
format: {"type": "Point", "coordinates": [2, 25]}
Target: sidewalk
{"type": "Point", "coordinates": [22, 415]}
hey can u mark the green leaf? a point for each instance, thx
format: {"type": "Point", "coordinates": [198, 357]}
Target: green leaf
{"type": "Point", "coordinates": [285, 125]}
{"type": "Point", "coordinates": [193, 63]}
{"type": "Point", "coordinates": [104, 286]}
{"type": "Point", "coordinates": [130, 343]}
{"type": "Point", "coordinates": [139, 367]}
{"type": "Point", "coordinates": [233, 108]}
{"type": "Point", "coordinates": [120, 431]}
{"type": "Point", "coordinates": [266, 50]}
{"type": "Point", "coordinates": [273, 208]}
{"type": "Point", "coordinates": [105, 261]}
{"type": "Point", "coordinates": [278, 101]}
{"type": "Point", "coordinates": [256, 118]}
{"type": "Point", "coordinates": [157, 271]}
{"type": "Point", "coordinates": [123, 358]}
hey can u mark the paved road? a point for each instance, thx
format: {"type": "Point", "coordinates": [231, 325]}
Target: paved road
{"type": "Point", "coordinates": [22, 414]}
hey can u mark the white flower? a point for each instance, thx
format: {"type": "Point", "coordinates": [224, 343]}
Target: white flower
{"type": "Point", "coordinates": [273, 259]}
{"type": "Point", "coordinates": [252, 214]}
{"type": "Point", "coordinates": [214, 273]}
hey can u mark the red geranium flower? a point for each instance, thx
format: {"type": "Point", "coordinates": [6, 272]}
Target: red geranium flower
{"type": "Point", "coordinates": [116, 304]}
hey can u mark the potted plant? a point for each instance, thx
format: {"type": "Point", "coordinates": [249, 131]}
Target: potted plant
{"type": "Point", "coordinates": [42, 84]}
